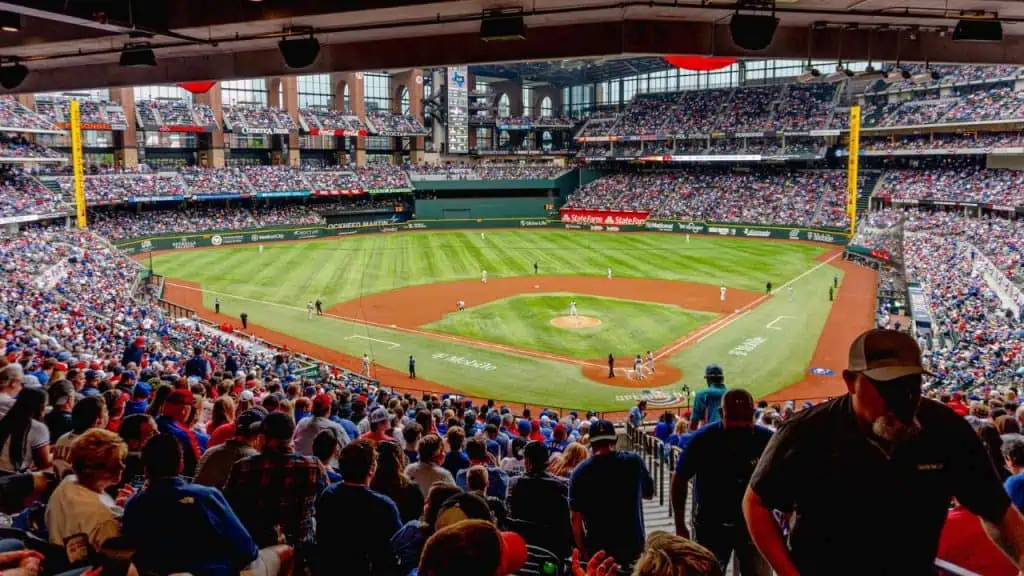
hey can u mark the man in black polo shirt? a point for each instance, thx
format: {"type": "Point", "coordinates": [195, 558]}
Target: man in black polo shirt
{"type": "Point", "coordinates": [869, 476]}
{"type": "Point", "coordinates": [722, 457]}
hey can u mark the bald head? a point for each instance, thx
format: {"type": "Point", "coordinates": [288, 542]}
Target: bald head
{"type": "Point", "coordinates": [737, 409]}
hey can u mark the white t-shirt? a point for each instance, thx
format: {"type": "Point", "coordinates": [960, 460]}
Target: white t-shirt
{"type": "Point", "coordinates": [308, 428]}
{"type": "Point", "coordinates": [424, 475]}
{"type": "Point", "coordinates": [37, 437]}
{"type": "Point", "coordinates": [61, 453]}
{"type": "Point", "coordinates": [6, 401]}
{"type": "Point", "coordinates": [74, 509]}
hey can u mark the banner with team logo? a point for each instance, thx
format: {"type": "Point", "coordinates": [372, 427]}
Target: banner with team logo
{"type": "Point", "coordinates": [603, 217]}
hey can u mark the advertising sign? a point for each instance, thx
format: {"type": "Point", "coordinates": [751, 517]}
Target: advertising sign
{"type": "Point", "coordinates": [458, 109]}
{"type": "Point", "coordinates": [612, 217]}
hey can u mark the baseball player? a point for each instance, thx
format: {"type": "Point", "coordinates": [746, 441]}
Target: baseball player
{"type": "Point", "coordinates": [366, 365]}
{"type": "Point", "coordinates": [638, 367]}
{"type": "Point", "coordinates": [572, 309]}
{"type": "Point", "coordinates": [261, 248]}
{"type": "Point", "coordinates": [650, 361]}
{"type": "Point", "coordinates": [483, 276]}
{"type": "Point", "coordinates": [216, 305]}
{"type": "Point", "coordinates": [319, 307]}
{"type": "Point", "coordinates": [309, 310]}
{"type": "Point", "coordinates": [609, 272]}
{"type": "Point", "coordinates": [460, 305]}
{"type": "Point", "coordinates": [481, 235]}
{"type": "Point", "coordinates": [687, 238]}
{"type": "Point", "coordinates": [789, 291]}
{"type": "Point", "coordinates": [721, 291]}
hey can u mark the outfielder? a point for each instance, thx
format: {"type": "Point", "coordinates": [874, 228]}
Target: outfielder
{"type": "Point", "coordinates": [483, 276]}
{"type": "Point", "coordinates": [789, 290]}
{"type": "Point", "coordinates": [722, 292]}
{"type": "Point", "coordinates": [572, 309]}
{"type": "Point", "coordinates": [366, 365]}
{"type": "Point", "coordinates": [460, 305]}
{"type": "Point", "coordinates": [309, 310]}
{"type": "Point", "coordinates": [481, 235]}
{"type": "Point", "coordinates": [609, 272]}
{"type": "Point", "coordinates": [261, 248]}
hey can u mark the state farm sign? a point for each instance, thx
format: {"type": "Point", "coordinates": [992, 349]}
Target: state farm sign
{"type": "Point", "coordinates": [603, 217]}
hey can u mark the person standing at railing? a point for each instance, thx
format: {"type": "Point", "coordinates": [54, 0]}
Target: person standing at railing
{"type": "Point", "coordinates": [721, 457]}
{"type": "Point", "coordinates": [876, 467]}
{"type": "Point", "coordinates": [707, 404]}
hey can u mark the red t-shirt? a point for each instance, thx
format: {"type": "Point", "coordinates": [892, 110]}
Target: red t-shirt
{"type": "Point", "coordinates": [378, 436]}
{"type": "Point", "coordinates": [221, 435]}
{"type": "Point", "coordinates": [963, 542]}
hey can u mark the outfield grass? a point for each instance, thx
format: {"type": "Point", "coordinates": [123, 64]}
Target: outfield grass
{"type": "Point", "coordinates": [273, 287]}
{"type": "Point", "coordinates": [627, 327]}
{"type": "Point", "coordinates": [340, 270]}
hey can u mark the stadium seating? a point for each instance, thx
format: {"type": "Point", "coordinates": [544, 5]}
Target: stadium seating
{"type": "Point", "coordinates": [242, 116]}
{"type": "Point", "coordinates": [20, 147]}
{"type": "Point", "coordinates": [56, 109]}
{"type": "Point", "coordinates": [955, 181]}
{"type": "Point", "coordinates": [23, 195]}
{"type": "Point", "coordinates": [394, 124]}
{"type": "Point", "coordinates": [14, 115]}
{"type": "Point", "coordinates": [320, 118]}
{"type": "Point", "coordinates": [170, 112]}
{"type": "Point", "coordinates": [486, 172]}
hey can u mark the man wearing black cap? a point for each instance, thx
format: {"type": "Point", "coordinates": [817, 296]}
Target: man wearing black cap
{"type": "Point", "coordinates": [215, 465]}
{"type": "Point", "coordinates": [707, 404]}
{"type": "Point", "coordinates": [877, 469]}
{"type": "Point", "coordinates": [62, 398]}
{"type": "Point", "coordinates": [722, 457]}
{"type": "Point", "coordinates": [605, 493]}
{"type": "Point", "coordinates": [542, 499]}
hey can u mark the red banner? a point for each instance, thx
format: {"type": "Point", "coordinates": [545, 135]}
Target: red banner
{"type": "Point", "coordinates": [319, 132]}
{"type": "Point", "coordinates": [350, 192]}
{"type": "Point", "coordinates": [182, 129]}
{"type": "Point", "coordinates": [87, 126]}
{"type": "Point", "coordinates": [607, 217]}
{"type": "Point", "coordinates": [882, 255]}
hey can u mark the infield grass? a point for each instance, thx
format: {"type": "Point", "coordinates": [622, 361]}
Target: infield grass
{"type": "Point", "coordinates": [627, 327]}
{"type": "Point", "coordinates": [273, 287]}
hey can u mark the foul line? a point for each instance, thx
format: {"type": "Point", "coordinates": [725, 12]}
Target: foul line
{"type": "Point", "coordinates": [390, 344]}
{"type": "Point", "coordinates": [717, 325]}
{"type": "Point", "coordinates": [433, 335]}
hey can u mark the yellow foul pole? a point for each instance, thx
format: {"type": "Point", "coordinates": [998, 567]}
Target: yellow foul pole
{"type": "Point", "coordinates": [76, 164]}
{"type": "Point", "coordinates": [851, 168]}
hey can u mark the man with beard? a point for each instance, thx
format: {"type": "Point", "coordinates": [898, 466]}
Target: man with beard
{"type": "Point", "coordinates": [874, 471]}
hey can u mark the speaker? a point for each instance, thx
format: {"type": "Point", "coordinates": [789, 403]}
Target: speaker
{"type": "Point", "coordinates": [143, 57]}
{"type": "Point", "coordinates": [752, 31]}
{"type": "Point", "coordinates": [12, 76]}
{"type": "Point", "coordinates": [299, 52]}
{"type": "Point", "coordinates": [978, 31]}
{"type": "Point", "coordinates": [502, 28]}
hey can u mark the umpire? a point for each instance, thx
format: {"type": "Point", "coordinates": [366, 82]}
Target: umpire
{"type": "Point", "coordinates": [721, 457]}
{"type": "Point", "coordinates": [611, 366]}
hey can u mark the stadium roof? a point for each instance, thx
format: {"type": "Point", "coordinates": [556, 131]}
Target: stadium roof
{"type": "Point", "coordinates": [571, 72]}
{"type": "Point", "coordinates": [71, 45]}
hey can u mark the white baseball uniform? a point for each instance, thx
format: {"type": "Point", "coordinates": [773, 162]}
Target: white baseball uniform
{"type": "Point", "coordinates": [572, 309]}
{"type": "Point", "coordinates": [309, 310]}
{"type": "Point", "coordinates": [722, 291]}
{"type": "Point", "coordinates": [789, 289]}
{"type": "Point", "coordinates": [609, 271]}
{"type": "Point", "coordinates": [483, 276]}
{"type": "Point", "coordinates": [261, 248]}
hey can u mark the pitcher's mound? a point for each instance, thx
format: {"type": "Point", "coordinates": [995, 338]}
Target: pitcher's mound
{"type": "Point", "coordinates": [575, 321]}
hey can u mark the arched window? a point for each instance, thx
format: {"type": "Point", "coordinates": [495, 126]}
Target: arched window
{"type": "Point", "coordinates": [504, 106]}
{"type": "Point", "coordinates": [546, 141]}
{"type": "Point", "coordinates": [405, 100]}
{"type": "Point", "coordinates": [503, 138]}
{"type": "Point", "coordinates": [545, 107]}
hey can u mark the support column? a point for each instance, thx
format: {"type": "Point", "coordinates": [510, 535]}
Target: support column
{"type": "Point", "coordinates": [354, 82]}
{"type": "Point", "coordinates": [411, 80]}
{"type": "Point", "coordinates": [211, 146]}
{"type": "Point", "coordinates": [283, 92]}
{"type": "Point", "coordinates": [126, 148]}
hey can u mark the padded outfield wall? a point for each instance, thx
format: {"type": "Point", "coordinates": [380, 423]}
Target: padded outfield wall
{"type": "Point", "coordinates": [145, 244]}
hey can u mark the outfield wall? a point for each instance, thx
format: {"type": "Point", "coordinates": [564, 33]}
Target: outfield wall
{"type": "Point", "coordinates": [142, 245]}
{"type": "Point", "coordinates": [486, 208]}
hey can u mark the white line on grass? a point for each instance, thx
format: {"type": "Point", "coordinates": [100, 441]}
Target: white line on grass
{"type": "Point", "coordinates": [390, 344]}
{"type": "Point", "coordinates": [433, 335]}
{"type": "Point", "coordinates": [771, 325]}
{"type": "Point", "coordinates": [717, 325]}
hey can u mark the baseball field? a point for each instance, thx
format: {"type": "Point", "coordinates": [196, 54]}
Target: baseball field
{"type": "Point", "coordinates": [394, 295]}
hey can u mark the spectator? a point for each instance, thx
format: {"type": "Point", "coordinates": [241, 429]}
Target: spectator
{"type": "Point", "coordinates": [89, 413]}
{"type": "Point", "coordinates": [476, 451]}
{"type": "Point", "coordinates": [24, 439]}
{"type": "Point", "coordinates": [542, 500]}
{"type": "Point", "coordinates": [668, 555]}
{"type": "Point", "coordinates": [565, 463]}
{"type": "Point", "coordinates": [801, 463]}
{"type": "Point", "coordinates": [354, 523]}
{"type": "Point", "coordinates": [411, 434]}
{"type": "Point", "coordinates": [477, 482]}
{"type": "Point", "coordinates": [407, 543]}
{"type": "Point", "coordinates": [216, 464]}
{"type": "Point", "coordinates": [210, 539]}
{"type": "Point", "coordinates": [1013, 453]}
{"type": "Point", "coordinates": [965, 544]}
{"type": "Point", "coordinates": [391, 481]}
{"type": "Point", "coordinates": [135, 430]}
{"type": "Point", "coordinates": [62, 399]}
{"type": "Point", "coordinates": [173, 420]}
{"type": "Point", "coordinates": [81, 505]}
{"type": "Point", "coordinates": [722, 456]}
{"type": "Point", "coordinates": [223, 413]}
{"type": "Point", "coordinates": [11, 378]}
{"type": "Point", "coordinates": [380, 426]}
{"type": "Point", "coordinates": [308, 429]}
{"type": "Point", "coordinates": [325, 449]}
{"type": "Point", "coordinates": [605, 495]}
{"type": "Point", "coordinates": [428, 470]}
{"type": "Point", "coordinates": [455, 460]}
{"type": "Point", "coordinates": [707, 404]}
{"type": "Point", "coordinates": [276, 489]}
{"type": "Point", "coordinates": [115, 400]}
{"type": "Point", "coordinates": [472, 547]}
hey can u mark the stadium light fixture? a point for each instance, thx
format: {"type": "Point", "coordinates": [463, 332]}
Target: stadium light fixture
{"type": "Point", "coordinates": [299, 52]}
{"type": "Point", "coordinates": [10, 22]}
{"type": "Point", "coordinates": [499, 25]}
{"type": "Point", "coordinates": [137, 56]}
{"type": "Point", "coordinates": [12, 76]}
{"type": "Point", "coordinates": [753, 31]}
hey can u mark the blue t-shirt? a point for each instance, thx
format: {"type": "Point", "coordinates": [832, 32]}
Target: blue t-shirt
{"type": "Point", "coordinates": [723, 462]}
{"type": "Point", "coordinates": [1015, 488]}
{"type": "Point", "coordinates": [209, 540]}
{"type": "Point", "coordinates": [636, 416]}
{"type": "Point", "coordinates": [497, 481]}
{"type": "Point", "coordinates": [662, 431]}
{"type": "Point", "coordinates": [707, 405]}
{"type": "Point", "coordinates": [455, 461]}
{"type": "Point", "coordinates": [608, 490]}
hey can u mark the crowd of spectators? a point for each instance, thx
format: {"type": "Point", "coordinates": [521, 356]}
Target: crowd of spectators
{"type": "Point", "coordinates": [355, 177]}
{"type": "Point", "coordinates": [949, 74]}
{"type": "Point", "coordinates": [600, 126]}
{"type": "Point", "coordinates": [116, 187]}
{"type": "Point", "coordinates": [943, 141]}
{"type": "Point", "coordinates": [123, 225]}
{"type": "Point", "coordinates": [57, 109]}
{"type": "Point", "coordinates": [955, 180]}
{"type": "Point", "coordinates": [466, 171]}
{"type": "Point", "coordinates": [242, 116]}
{"type": "Point", "coordinates": [646, 115]}
{"type": "Point", "coordinates": [394, 124]}
{"type": "Point", "coordinates": [749, 110]}
{"type": "Point", "coordinates": [168, 112]}
{"type": "Point", "coordinates": [805, 107]}
{"type": "Point", "coordinates": [20, 147]}
{"type": "Point", "coordinates": [978, 104]}
{"type": "Point", "coordinates": [763, 196]}
{"type": "Point", "coordinates": [695, 113]}
{"type": "Point", "coordinates": [23, 195]}
{"type": "Point", "coordinates": [14, 115]}
{"type": "Point", "coordinates": [318, 118]}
